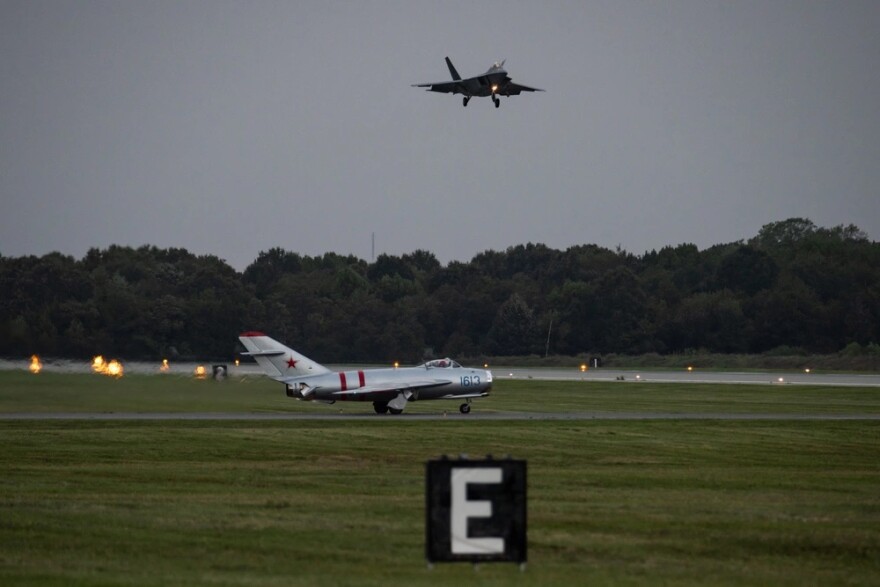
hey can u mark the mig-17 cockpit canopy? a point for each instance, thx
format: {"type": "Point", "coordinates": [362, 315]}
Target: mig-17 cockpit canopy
{"type": "Point", "coordinates": [442, 364]}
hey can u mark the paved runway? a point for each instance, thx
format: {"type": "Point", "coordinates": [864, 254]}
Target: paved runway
{"type": "Point", "coordinates": [501, 373]}
{"type": "Point", "coordinates": [695, 376]}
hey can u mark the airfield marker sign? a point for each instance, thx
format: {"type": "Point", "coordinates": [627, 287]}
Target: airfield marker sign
{"type": "Point", "coordinates": [475, 511]}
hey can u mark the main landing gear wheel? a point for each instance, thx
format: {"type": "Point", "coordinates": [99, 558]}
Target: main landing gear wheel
{"type": "Point", "coordinates": [381, 407]}
{"type": "Point", "coordinates": [464, 408]}
{"type": "Point", "coordinates": [465, 100]}
{"type": "Point", "coordinates": [395, 411]}
{"type": "Point", "coordinates": [497, 102]}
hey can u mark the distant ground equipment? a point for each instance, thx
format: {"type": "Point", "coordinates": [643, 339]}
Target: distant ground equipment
{"type": "Point", "coordinates": [218, 372]}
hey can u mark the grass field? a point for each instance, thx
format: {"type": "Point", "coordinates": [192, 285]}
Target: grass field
{"type": "Point", "coordinates": [611, 502]}
{"type": "Point", "coordinates": [55, 392]}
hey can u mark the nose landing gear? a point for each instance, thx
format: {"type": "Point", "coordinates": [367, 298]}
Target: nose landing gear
{"type": "Point", "coordinates": [465, 408]}
{"type": "Point", "coordinates": [497, 101]}
{"type": "Point", "coordinates": [465, 100]}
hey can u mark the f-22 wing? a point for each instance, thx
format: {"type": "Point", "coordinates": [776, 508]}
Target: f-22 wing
{"type": "Point", "coordinates": [494, 83]}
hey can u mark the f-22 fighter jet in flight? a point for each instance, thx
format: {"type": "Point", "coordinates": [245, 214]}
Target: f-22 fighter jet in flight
{"type": "Point", "coordinates": [389, 389]}
{"type": "Point", "coordinates": [495, 82]}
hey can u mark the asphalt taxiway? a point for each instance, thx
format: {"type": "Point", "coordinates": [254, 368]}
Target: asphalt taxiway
{"type": "Point", "coordinates": [481, 416]}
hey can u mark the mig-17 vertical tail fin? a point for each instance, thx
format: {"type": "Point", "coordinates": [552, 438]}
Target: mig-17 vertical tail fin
{"type": "Point", "coordinates": [277, 360]}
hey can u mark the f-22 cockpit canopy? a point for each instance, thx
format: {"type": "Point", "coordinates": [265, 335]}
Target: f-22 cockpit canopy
{"type": "Point", "coordinates": [442, 364]}
{"type": "Point", "coordinates": [497, 66]}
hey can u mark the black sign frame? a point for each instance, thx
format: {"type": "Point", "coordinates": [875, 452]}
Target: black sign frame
{"type": "Point", "coordinates": [490, 522]}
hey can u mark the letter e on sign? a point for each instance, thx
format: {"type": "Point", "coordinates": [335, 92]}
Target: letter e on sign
{"type": "Point", "coordinates": [475, 511]}
{"type": "Point", "coordinates": [464, 509]}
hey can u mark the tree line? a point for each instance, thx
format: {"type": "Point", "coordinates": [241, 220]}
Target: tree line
{"type": "Point", "coordinates": [793, 286]}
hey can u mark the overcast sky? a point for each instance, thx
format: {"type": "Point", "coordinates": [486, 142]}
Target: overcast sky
{"type": "Point", "coordinates": [228, 128]}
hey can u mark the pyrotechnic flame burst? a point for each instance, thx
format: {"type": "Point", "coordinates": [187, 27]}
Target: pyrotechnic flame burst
{"type": "Point", "coordinates": [36, 366]}
{"type": "Point", "coordinates": [113, 368]}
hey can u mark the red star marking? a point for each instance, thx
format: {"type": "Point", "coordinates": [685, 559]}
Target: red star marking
{"type": "Point", "coordinates": [291, 363]}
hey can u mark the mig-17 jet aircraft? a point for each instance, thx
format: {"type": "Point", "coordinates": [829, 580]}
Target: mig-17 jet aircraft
{"type": "Point", "coordinates": [389, 389]}
{"type": "Point", "coordinates": [495, 82]}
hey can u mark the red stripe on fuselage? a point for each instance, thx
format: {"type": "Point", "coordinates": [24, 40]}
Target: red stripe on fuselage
{"type": "Point", "coordinates": [342, 384]}
{"type": "Point", "coordinates": [361, 379]}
